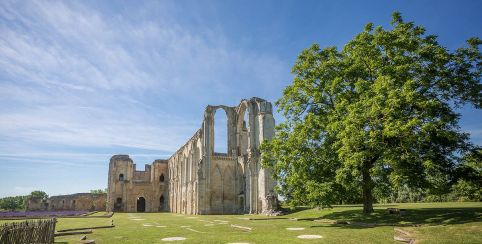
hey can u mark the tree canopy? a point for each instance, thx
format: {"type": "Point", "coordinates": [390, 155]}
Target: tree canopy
{"type": "Point", "coordinates": [98, 191]}
{"type": "Point", "coordinates": [379, 113]}
{"type": "Point", "coordinates": [13, 203]}
{"type": "Point", "coordinates": [39, 194]}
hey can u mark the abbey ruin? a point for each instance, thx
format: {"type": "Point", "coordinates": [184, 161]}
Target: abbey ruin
{"type": "Point", "coordinates": [198, 180]}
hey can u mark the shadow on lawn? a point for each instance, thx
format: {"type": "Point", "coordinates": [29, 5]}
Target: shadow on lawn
{"type": "Point", "coordinates": [287, 210]}
{"type": "Point", "coordinates": [361, 205]}
{"type": "Point", "coordinates": [431, 216]}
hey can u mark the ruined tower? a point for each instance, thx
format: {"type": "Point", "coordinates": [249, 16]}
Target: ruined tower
{"type": "Point", "coordinates": [130, 190]}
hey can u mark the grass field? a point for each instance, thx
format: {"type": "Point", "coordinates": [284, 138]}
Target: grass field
{"type": "Point", "coordinates": [434, 223]}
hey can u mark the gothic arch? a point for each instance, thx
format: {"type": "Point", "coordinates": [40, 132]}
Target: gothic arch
{"type": "Point", "coordinates": [241, 109]}
{"type": "Point", "coordinates": [220, 131]}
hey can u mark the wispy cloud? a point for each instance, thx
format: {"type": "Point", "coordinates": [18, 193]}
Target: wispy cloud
{"type": "Point", "coordinates": [88, 70]}
{"type": "Point", "coordinates": [75, 76]}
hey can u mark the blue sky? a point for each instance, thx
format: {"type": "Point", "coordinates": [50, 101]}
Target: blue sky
{"type": "Point", "coordinates": [83, 80]}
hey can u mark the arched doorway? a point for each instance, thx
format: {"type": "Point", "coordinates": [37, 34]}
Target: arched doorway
{"type": "Point", "coordinates": [141, 204]}
{"type": "Point", "coordinates": [161, 203]}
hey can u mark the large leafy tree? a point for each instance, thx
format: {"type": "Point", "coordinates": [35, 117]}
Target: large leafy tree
{"type": "Point", "coordinates": [379, 113]}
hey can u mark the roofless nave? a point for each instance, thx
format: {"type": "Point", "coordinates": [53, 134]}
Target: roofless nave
{"type": "Point", "coordinates": [197, 180]}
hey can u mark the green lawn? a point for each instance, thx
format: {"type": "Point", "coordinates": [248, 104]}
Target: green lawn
{"type": "Point", "coordinates": [435, 223]}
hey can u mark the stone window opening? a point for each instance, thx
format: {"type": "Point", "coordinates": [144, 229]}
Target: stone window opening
{"type": "Point", "coordinates": [121, 177]}
{"type": "Point", "coordinates": [119, 200]}
{"type": "Point", "coordinates": [246, 120]}
{"type": "Point", "coordinates": [243, 130]}
{"type": "Point", "coordinates": [220, 126]}
{"type": "Point", "coordinates": [161, 178]}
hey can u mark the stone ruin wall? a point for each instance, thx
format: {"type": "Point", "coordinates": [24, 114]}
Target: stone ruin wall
{"type": "Point", "coordinates": [126, 185]}
{"type": "Point", "coordinates": [73, 202]}
{"type": "Point", "coordinates": [200, 180]}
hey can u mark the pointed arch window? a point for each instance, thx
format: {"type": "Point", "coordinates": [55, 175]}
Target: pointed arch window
{"type": "Point", "coordinates": [161, 178]}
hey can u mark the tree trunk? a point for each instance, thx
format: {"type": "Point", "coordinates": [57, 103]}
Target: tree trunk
{"type": "Point", "coordinates": [367, 187]}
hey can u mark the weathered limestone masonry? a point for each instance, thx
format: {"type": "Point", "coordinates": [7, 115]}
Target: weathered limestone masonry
{"type": "Point", "coordinates": [131, 190]}
{"type": "Point", "coordinates": [197, 180]}
{"type": "Point", "coordinates": [78, 201]}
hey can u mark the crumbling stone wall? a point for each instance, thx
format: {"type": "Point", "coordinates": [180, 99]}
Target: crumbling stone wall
{"type": "Point", "coordinates": [77, 202]}
{"type": "Point", "coordinates": [199, 180]}
{"type": "Point", "coordinates": [36, 204]}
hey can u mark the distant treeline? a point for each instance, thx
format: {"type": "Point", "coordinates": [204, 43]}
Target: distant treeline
{"type": "Point", "coordinates": [17, 203]}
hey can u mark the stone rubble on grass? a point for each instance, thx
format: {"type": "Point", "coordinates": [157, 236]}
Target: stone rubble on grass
{"type": "Point", "coordinates": [207, 221]}
{"type": "Point", "coordinates": [242, 227]}
{"type": "Point", "coordinates": [177, 238]}
{"type": "Point", "coordinates": [403, 236]}
{"type": "Point", "coordinates": [87, 241]}
{"type": "Point", "coordinates": [272, 212]}
{"type": "Point", "coordinates": [221, 222]}
{"type": "Point", "coordinates": [295, 228]}
{"type": "Point", "coordinates": [197, 231]}
{"type": "Point", "coordinates": [309, 236]}
{"type": "Point", "coordinates": [403, 239]}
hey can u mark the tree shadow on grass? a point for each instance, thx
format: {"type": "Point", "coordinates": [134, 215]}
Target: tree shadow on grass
{"type": "Point", "coordinates": [431, 216]}
{"type": "Point", "coordinates": [286, 210]}
{"type": "Point", "coordinates": [361, 205]}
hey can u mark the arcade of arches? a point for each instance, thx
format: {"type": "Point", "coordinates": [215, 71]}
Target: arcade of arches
{"type": "Point", "coordinates": [198, 180]}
